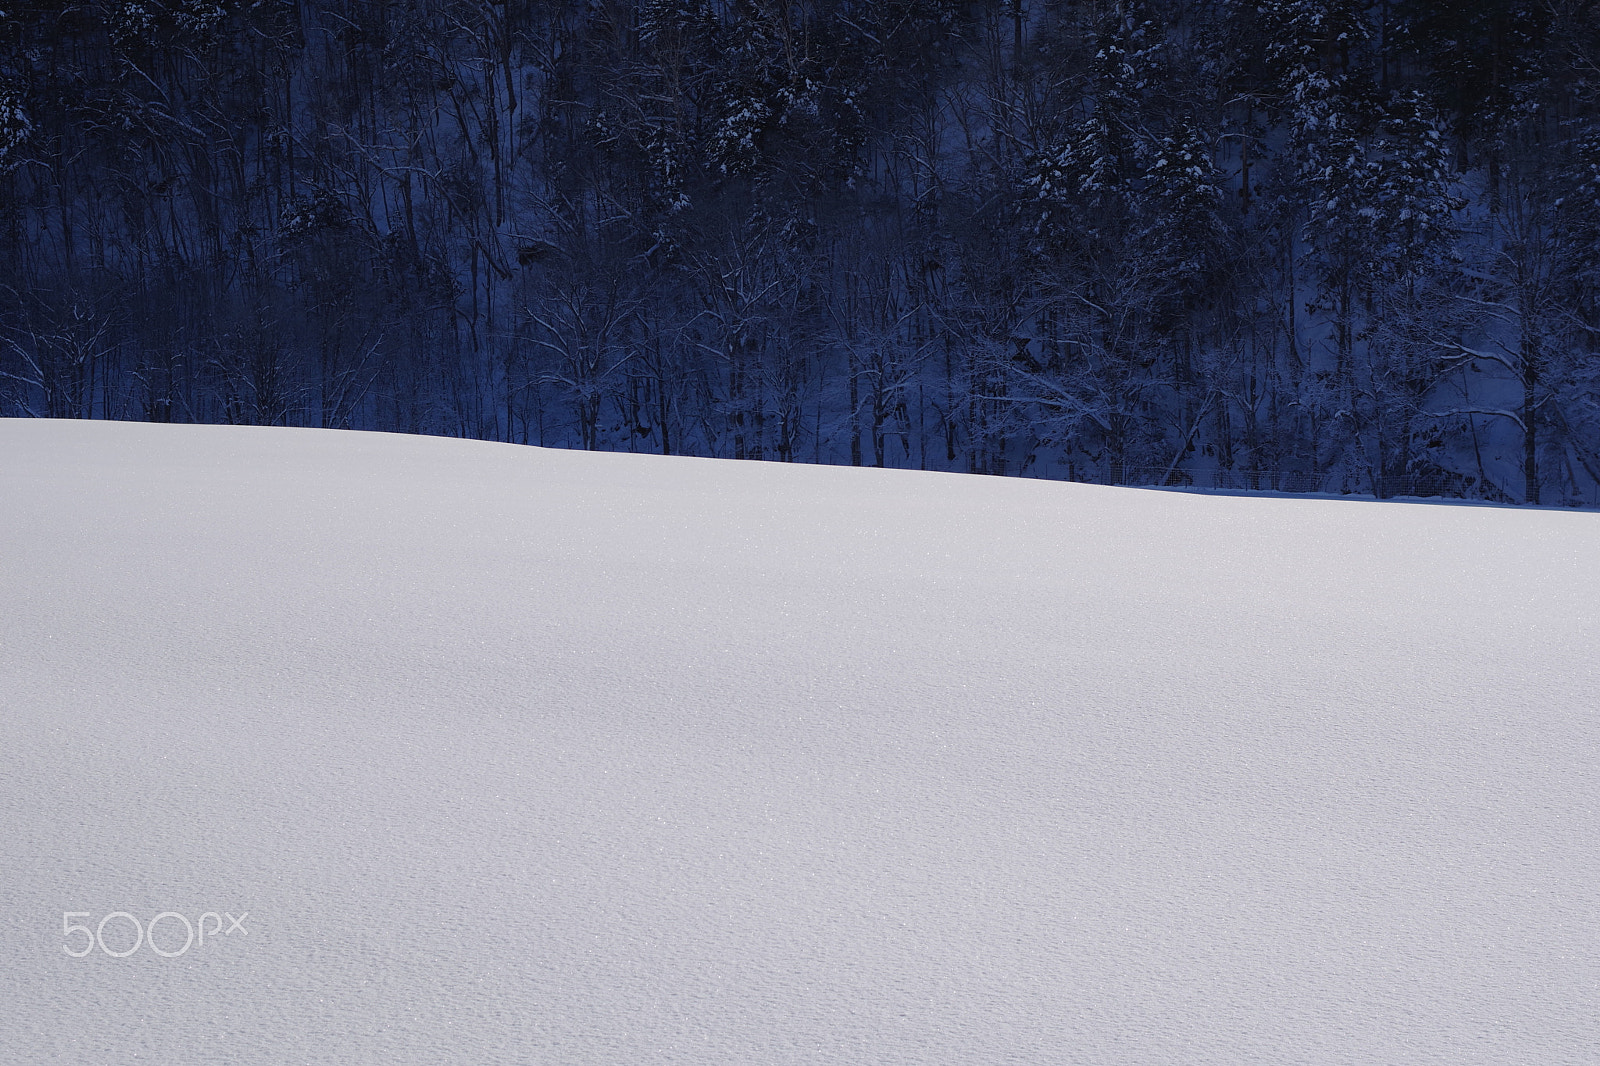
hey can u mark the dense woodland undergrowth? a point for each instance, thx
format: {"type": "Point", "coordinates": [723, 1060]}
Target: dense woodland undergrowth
{"type": "Point", "coordinates": [1293, 244]}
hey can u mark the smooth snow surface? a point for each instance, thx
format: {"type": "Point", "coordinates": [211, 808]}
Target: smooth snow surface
{"type": "Point", "coordinates": [521, 756]}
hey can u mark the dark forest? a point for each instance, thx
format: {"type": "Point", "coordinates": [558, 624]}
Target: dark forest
{"type": "Point", "coordinates": [1295, 245]}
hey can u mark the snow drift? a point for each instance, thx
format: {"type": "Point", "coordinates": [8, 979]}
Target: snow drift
{"type": "Point", "coordinates": [518, 756]}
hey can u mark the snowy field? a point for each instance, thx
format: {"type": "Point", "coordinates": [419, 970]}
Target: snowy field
{"type": "Point", "coordinates": [522, 756]}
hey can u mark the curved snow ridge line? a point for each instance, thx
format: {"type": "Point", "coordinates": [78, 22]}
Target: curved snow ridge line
{"type": "Point", "coordinates": [517, 755]}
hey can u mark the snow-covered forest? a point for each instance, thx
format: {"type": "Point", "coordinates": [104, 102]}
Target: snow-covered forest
{"type": "Point", "coordinates": [1279, 244]}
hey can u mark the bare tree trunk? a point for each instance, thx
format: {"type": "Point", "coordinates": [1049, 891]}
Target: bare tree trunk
{"type": "Point", "coordinates": [1530, 416]}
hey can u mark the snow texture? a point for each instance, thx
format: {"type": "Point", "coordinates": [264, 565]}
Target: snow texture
{"type": "Point", "coordinates": [526, 756]}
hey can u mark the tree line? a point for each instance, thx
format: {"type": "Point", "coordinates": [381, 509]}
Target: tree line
{"type": "Point", "coordinates": [1273, 244]}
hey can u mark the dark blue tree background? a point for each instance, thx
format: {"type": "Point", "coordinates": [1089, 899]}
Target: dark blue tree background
{"type": "Point", "coordinates": [1303, 245]}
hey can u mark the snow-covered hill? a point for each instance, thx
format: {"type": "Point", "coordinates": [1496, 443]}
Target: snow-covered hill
{"type": "Point", "coordinates": [520, 756]}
